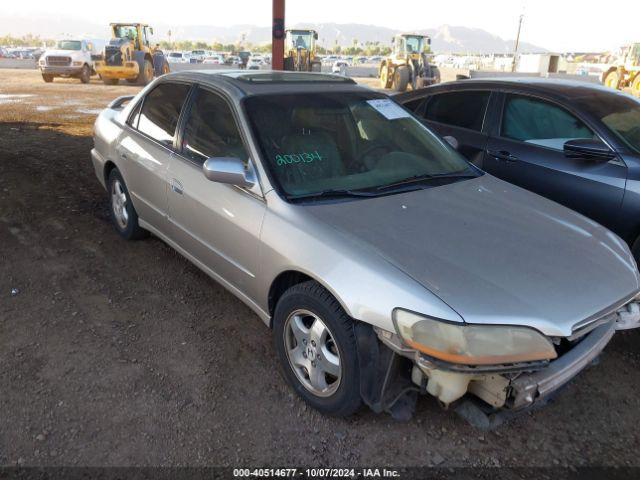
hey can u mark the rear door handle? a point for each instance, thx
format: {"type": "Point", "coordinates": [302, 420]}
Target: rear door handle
{"type": "Point", "coordinates": [503, 155]}
{"type": "Point", "coordinates": [176, 186]}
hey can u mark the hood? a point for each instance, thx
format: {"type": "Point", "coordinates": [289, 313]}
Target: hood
{"type": "Point", "coordinates": [62, 53]}
{"type": "Point", "coordinates": [495, 253]}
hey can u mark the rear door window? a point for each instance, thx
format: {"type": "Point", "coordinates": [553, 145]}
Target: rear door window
{"type": "Point", "coordinates": [458, 109]}
{"type": "Point", "coordinates": [540, 122]}
{"type": "Point", "coordinates": [160, 111]}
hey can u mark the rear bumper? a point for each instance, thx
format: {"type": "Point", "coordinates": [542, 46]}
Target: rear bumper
{"type": "Point", "coordinates": [533, 387]}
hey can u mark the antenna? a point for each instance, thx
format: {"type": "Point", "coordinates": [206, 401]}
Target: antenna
{"type": "Point", "coordinates": [515, 53]}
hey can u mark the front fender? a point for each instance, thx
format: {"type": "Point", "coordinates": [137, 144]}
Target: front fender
{"type": "Point", "coordinates": [368, 287]}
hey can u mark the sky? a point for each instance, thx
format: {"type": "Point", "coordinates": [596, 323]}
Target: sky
{"type": "Point", "coordinates": [558, 25]}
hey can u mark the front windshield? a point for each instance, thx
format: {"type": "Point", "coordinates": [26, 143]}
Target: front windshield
{"type": "Point", "coordinates": [301, 40]}
{"type": "Point", "coordinates": [621, 114]}
{"type": "Point", "coordinates": [126, 31]}
{"type": "Point", "coordinates": [312, 143]}
{"type": "Point", "coordinates": [70, 45]}
{"type": "Point", "coordinates": [414, 44]}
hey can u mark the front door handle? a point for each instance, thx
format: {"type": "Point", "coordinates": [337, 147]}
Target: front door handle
{"type": "Point", "coordinates": [176, 186]}
{"type": "Point", "coordinates": [503, 155]}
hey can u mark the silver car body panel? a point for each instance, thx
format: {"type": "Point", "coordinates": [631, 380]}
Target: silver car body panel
{"type": "Point", "coordinates": [481, 251]}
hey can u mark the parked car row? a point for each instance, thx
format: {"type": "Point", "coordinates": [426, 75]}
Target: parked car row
{"type": "Point", "coordinates": [351, 60]}
{"type": "Point", "coordinates": [386, 264]}
{"type": "Point", "coordinates": [32, 53]}
{"type": "Point", "coordinates": [213, 58]}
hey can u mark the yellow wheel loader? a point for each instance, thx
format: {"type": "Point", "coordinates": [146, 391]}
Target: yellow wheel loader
{"type": "Point", "coordinates": [300, 54]}
{"type": "Point", "coordinates": [129, 56]}
{"type": "Point", "coordinates": [408, 64]}
{"type": "Point", "coordinates": [626, 74]}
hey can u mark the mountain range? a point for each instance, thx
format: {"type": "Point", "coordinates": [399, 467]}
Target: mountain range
{"type": "Point", "coordinates": [445, 39]}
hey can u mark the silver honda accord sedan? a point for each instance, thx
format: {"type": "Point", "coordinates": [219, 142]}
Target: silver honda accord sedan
{"type": "Point", "coordinates": [385, 264]}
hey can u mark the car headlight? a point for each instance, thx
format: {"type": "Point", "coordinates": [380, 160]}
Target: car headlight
{"type": "Point", "coordinates": [77, 64]}
{"type": "Point", "coordinates": [42, 61]}
{"type": "Point", "coordinates": [472, 344]}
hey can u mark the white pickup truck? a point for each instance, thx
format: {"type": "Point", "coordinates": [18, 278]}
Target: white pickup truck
{"type": "Point", "coordinates": [70, 58]}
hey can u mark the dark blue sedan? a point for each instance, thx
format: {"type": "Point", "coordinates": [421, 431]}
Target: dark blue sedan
{"type": "Point", "coordinates": [572, 142]}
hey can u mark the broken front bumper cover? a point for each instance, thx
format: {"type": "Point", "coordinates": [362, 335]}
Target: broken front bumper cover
{"type": "Point", "coordinates": [515, 387]}
{"type": "Point", "coordinates": [529, 388]}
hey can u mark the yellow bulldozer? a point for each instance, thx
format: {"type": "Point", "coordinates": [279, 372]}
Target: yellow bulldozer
{"type": "Point", "coordinates": [300, 54]}
{"type": "Point", "coordinates": [626, 72]}
{"type": "Point", "coordinates": [408, 64]}
{"type": "Point", "coordinates": [130, 56]}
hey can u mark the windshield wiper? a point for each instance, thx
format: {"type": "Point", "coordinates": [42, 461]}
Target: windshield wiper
{"type": "Point", "coordinates": [425, 177]}
{"type": "Point", "coordinates": [333, 193]}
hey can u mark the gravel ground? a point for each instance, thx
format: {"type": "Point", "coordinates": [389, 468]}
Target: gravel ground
{"type": "Point", "coordinates": [116, 353]}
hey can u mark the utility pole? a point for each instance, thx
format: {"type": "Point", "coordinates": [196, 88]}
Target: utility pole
{"type": "Point", "coordinates": [277, 36]}
{"type": "Point", "coordinates": [515, 53]}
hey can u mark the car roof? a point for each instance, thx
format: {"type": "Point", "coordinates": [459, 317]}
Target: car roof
{"type": "Point", "coordinates": [552, 87]}
{"type": "Point", "coordinates": [264, 82]}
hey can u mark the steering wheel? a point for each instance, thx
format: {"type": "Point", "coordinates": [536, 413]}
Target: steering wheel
{"type": "Point", "coordinates": [361, 159]}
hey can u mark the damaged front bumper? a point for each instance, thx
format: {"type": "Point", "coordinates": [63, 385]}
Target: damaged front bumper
{"type": "Point", "coordinates": [536, 386]}
{"type": "Point", "coordinates": [518, 386]}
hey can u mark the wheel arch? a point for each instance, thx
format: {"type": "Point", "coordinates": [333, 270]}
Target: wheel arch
{"type": "Point", "coordinates": [109, 166]}
{"type": "Point", "coordinates": [288, 279]}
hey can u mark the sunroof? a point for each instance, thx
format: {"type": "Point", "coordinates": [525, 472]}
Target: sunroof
{"type": "Point", "coordinates": [292, 77]}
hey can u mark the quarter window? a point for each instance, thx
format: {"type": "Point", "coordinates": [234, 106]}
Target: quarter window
{"type": "Point", "coordinates": [211, 130]}
{"type": "Point", "coordinates": [539, 122]}
{"type": "Point", "coordinates": [161, 110]}
{"type": "Point", "coordinates": [459, 109]}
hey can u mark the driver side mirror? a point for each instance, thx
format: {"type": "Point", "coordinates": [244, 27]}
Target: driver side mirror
{"type": "Point", "coordinates": [229, 170]}
{"type": "Point", "coordinates": [585, 148]}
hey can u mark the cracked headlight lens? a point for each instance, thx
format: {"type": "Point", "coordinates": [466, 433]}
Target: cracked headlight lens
{"type": "Point", "coordinates": [472, 344]}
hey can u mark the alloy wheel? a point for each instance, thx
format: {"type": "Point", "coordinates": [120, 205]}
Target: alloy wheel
{"type": "Point", "coordinates": [312, 353]}
{"type": "Point", "coordinates": [119, 204]}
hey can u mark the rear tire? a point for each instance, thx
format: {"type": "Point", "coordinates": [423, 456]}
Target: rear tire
{"type": "Point", "coordinates": [85, 76]}
{"type": "Point", "coordinates": [110, 81]}
{"type": "Point", "coordinates": [47, 77]}
{"type": "Point", "coordinates": [401, 79]}
{"type": "Point", "coordinates": [123, 216]}
{"type": "Point", "coordinates": [316, 345]}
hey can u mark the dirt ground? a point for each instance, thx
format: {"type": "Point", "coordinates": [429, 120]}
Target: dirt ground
{"type": "Point", "coordinates": [115, 353]}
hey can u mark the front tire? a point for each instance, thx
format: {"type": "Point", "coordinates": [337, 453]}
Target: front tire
{"type": "Point", "coordinates": [47, 78]}
{"type": "Point", "coordinates": [85, 76]}
{"type": "Point", "coordinates": [146, 73]}
{"type": "Point", "coordinates": [612, 79]}
{"type": "Point", "coordinates": [316, 345]}
{"type": "Point", "coordinates": [385, 80]}
{"type": "Point", "coordinates": [635, 86]}
{"type": "Point", "coordinates": [401, 79]}
{"type": "Point", "coordinates": [123, 216]}
{"type": "Point", "coordinates": [110, 81]}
